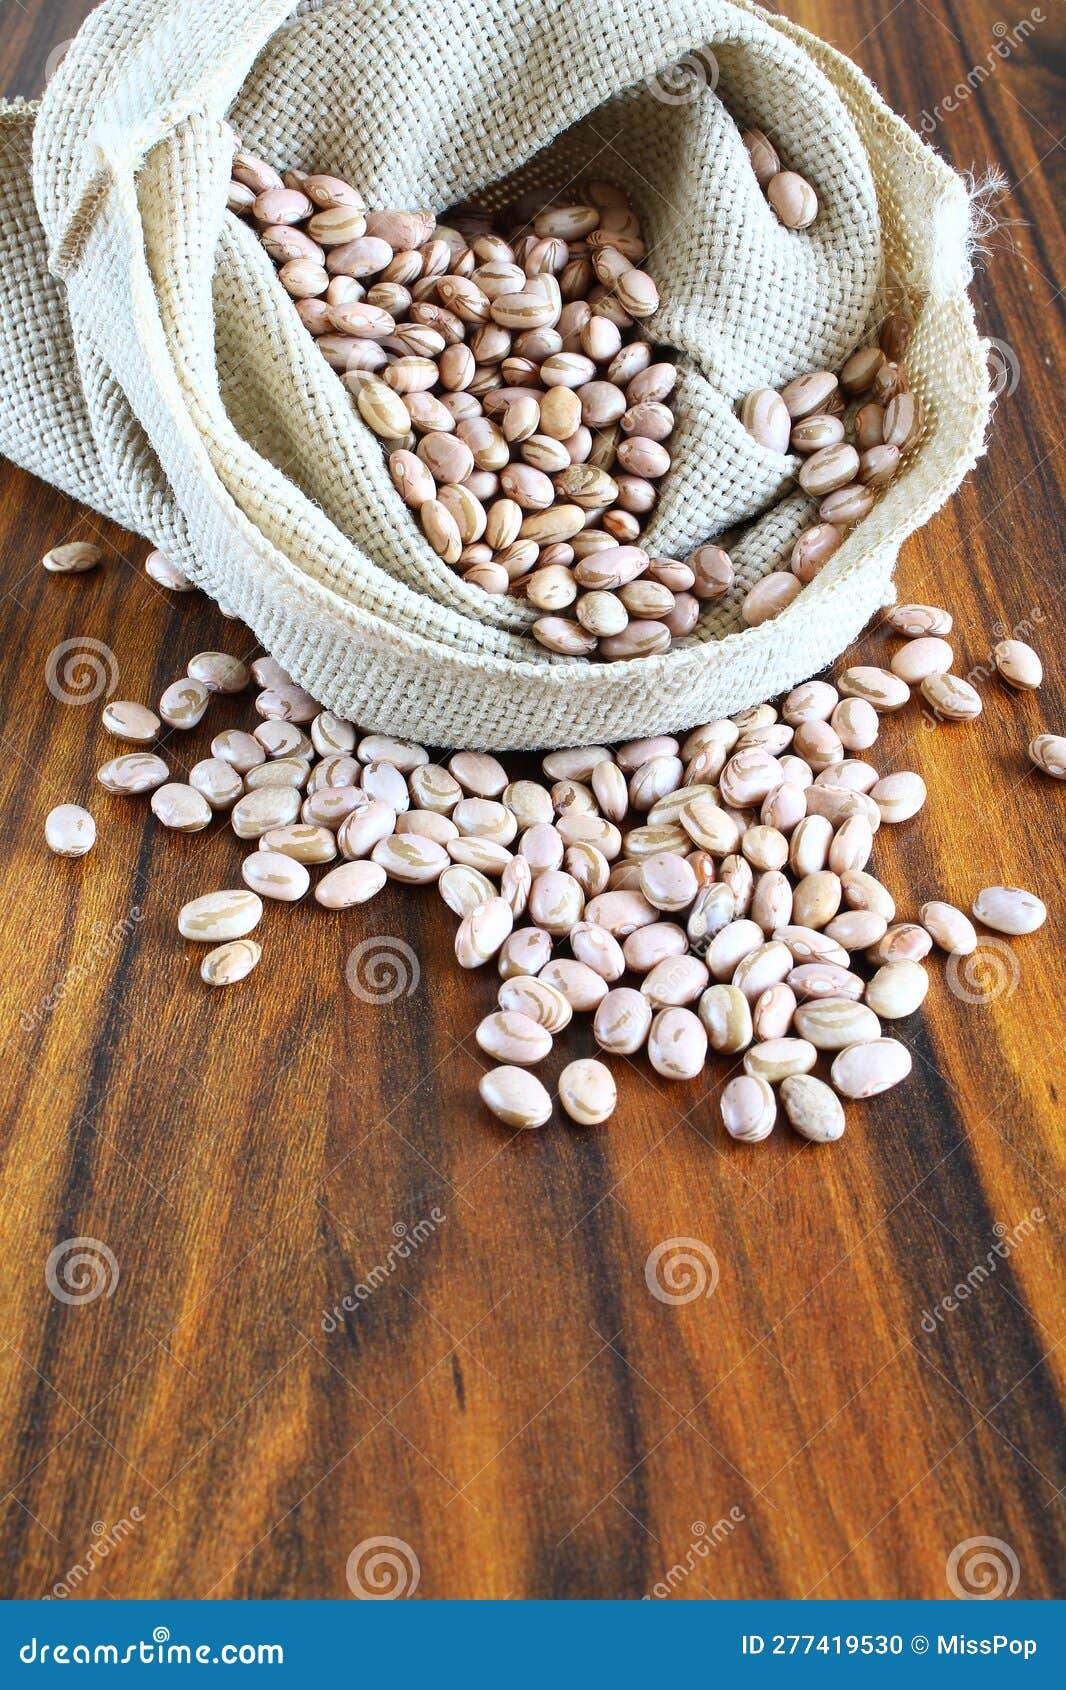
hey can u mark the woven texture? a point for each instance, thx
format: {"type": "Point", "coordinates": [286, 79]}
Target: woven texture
{"type": "Point", "coordinates": [153, 367]}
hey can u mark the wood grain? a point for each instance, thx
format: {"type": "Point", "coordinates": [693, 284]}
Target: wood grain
{"type": "Point", "coordinates": [510, 1400]}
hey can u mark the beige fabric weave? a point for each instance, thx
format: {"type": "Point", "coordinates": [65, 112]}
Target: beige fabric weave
{"type": "Point", "coordinates": [153, 367]}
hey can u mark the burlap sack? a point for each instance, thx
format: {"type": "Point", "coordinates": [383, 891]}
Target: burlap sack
{"type": "Point", "coordinates": [153, 367]}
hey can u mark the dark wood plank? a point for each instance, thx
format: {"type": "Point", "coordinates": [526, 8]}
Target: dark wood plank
{"type": "Point", "coordinates": [510, 1400]}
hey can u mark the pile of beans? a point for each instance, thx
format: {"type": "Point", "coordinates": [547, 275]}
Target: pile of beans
{"type": "Point", "coordinates": [711, 896]}
{"type": "Point", "coordinates": [499, 365]}
{"type": "Point", "coordinates": [813, 416]}
{"type": "Point", "coordinates": [788, 193]}
{"type": "Point", "coordinates": [503, 366]}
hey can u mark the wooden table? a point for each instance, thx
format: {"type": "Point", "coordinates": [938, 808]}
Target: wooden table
{"type": "Point", "coordinates": [508, 1399]}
